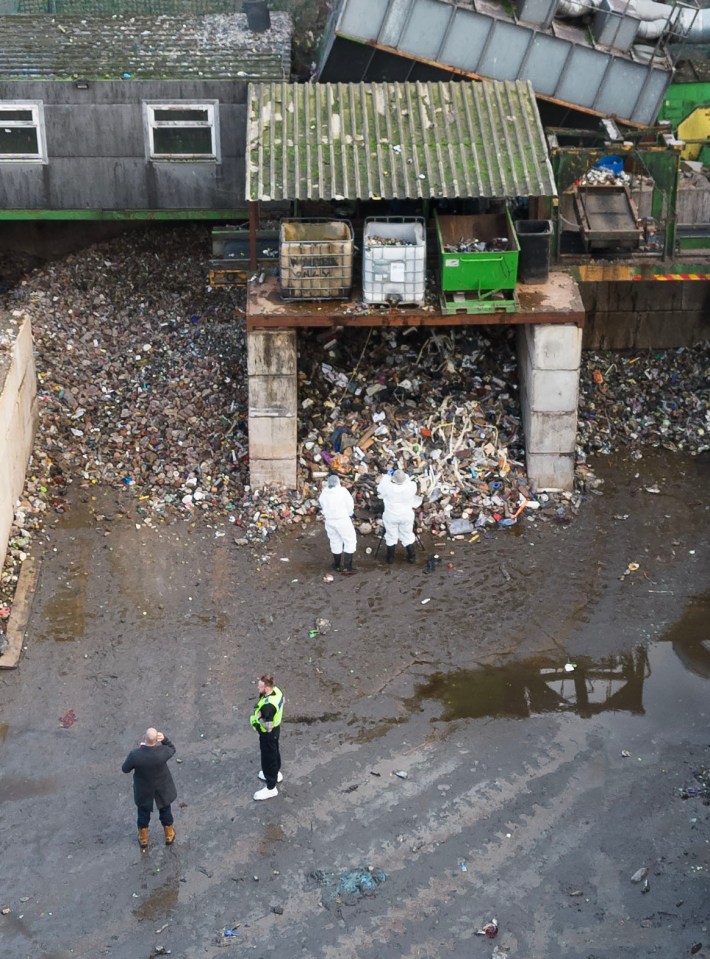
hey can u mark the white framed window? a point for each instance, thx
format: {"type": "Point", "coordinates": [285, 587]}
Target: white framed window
{"type": "Point", "coordinates": [22, 138]}
{"type": "Point", "coordinates": [182, 131]}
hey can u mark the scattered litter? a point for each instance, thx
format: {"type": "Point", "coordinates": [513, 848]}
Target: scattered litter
{"type": "Point", "coordinates": [490, 929]}
{"type": "Point", "coordinates": [328, 578]}
{"type": "Point", "coordinates": [348, 886]}
{"type": "Point", "coordinates": [425, 601]}
{"type": "Point", "coordinates": [640, 874]}
{"type": "Point", "coordinates": [401, 774]}
{"type": "Point", "coordinates": [323, 626]}
{"type": "Point", "coordinates": [625, 753]}
{"type": "Point", "coordinates": [570, 667]}
{"type": "Point", "coordinates": [463, 867]}
{"type": "Point", "coordinates": [68, 719]}
{"type": "Point", "coordinates": [702, 776]}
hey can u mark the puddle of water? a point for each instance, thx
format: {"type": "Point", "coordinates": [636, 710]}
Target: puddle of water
{"type": "Point", "coordinates": [159, 903]}
{"type": "Point", "coordinates": [65, 614]}
{"type": "Point", "coordinates": [656, 677]}
{"type": "Point", "coordinates": [273, 833]}
{"type": "Point", "coordinates": [540, 685]}
{"type": "Point", "coordinates": [78, 516]}
{"type": "Point", "coordinates": [13, 788]}
{"type": "Point", "coordinates": [690, 637]}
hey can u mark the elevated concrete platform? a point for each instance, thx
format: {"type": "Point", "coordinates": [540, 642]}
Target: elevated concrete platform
{"type": "Point", "coordinates": [550, 317]}
{"type": "Point", "coordinates": [556, 301]}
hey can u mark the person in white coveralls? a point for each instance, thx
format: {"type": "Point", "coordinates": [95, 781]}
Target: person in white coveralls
{"type": "Point", "coordinates": [399, 494]}
{"type": "Point", "coordinates": [338, 507]}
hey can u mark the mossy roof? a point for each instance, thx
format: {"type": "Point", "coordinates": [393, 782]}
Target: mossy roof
{"type": "Point", "coordinates": [218, 46]}
{"type": "Point", "coordinates": [395, 140]}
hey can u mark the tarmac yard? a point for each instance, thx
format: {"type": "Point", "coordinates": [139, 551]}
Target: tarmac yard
{"type": "Point", "coordinates": [509, 736]}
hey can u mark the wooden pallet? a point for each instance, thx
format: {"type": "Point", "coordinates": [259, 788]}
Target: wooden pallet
{"type": "Point", "coordinates": [479, 301]}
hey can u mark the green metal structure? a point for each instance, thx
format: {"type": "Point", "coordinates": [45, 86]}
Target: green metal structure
{"type": "Point", "coordinates": [650, 153]}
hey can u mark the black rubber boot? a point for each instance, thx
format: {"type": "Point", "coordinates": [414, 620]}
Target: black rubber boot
{"type": "Point", "coordinates": [411, 558]}
{"type": "Point", "coordinates": [348, 568]}
{"type": "Point", "coordinates": [337, 565]}
{"type": "Point", "coordinates": [390, 555]}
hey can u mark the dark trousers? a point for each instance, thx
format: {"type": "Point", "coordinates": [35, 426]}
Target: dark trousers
{"type": "Point", "coordinates": [165, 814]}
{"type": "Point", "coordinates": [270, 756]}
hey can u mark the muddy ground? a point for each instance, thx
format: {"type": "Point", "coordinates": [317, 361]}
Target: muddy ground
{"type": "Point", "coordinates": [519, 802]}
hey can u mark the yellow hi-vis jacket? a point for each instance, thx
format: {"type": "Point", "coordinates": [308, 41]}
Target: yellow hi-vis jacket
{"type": "Point", "coordinates": [276, 698]}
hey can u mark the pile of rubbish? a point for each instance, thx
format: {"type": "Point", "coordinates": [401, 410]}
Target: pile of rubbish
{"type": "Point", "coordinates": [374, 239]}
{"type": "Point", "coordinates": [633, 399]}
{"type": "Point", "coordinates": [474, 245]}
{"type": "Point", "coordinates": [604, 176]}
{"type": "Point", "coordinates": [442, 406]}
{"type": "Point", "coordinates": [142, 388]}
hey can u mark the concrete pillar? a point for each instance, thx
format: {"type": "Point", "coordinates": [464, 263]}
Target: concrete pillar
{"type": "Point", "coordinates": [548, 365]}
{"type": "Point", "coordinates": [272, 369]}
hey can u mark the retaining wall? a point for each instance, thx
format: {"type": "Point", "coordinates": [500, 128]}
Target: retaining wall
{"type": "Point", "coordinates": [18, 420]}
{"type": "Point", "coordinates": [645, 314]}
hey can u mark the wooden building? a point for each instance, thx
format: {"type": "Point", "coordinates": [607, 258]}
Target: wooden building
{"type": "Point", "coordinates": [130, 117]}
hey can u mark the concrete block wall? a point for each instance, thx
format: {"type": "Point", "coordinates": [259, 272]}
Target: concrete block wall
{"type": "Point", "coordinates": [272, 368]}
{"type": "Point", "coordinates": [645, 314]}
{"type": "Point", "coordinates": [18, 422]}
{"type": "Point", "coordinates": [548, 364]}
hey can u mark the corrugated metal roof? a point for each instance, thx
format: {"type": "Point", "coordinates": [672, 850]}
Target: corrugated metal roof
{"type": "Point", "coordinates": [395, 140]}
{"type": "Point", "coordinates": [213, 47]}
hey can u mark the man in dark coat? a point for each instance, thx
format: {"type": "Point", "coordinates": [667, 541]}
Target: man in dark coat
{"type": "Point", "coordinates": [152, 782]}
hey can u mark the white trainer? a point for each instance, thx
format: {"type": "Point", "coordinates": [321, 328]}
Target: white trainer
{"type": "Point", "coordinates": [262, 777]}
{"type": "Point", "coordinates": [266, 793]}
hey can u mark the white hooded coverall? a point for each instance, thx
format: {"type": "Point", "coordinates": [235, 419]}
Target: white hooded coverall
{"type": "Point", "coordinates": [338, 506]}
{"type": "Point", "coordinates": [400, 501]}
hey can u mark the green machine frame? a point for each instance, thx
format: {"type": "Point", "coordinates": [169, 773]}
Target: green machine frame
{"type": "Point", "coordinates": [651, 152]}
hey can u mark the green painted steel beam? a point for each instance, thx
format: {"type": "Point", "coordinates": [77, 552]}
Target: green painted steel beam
{"type": "Point", "coordinates": [150, 215]}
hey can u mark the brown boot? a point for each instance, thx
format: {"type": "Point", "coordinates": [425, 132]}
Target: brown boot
{"type": "Point", "coordinates": [143, 837]}
{"type": "Point", "coordinates": [169, 835]}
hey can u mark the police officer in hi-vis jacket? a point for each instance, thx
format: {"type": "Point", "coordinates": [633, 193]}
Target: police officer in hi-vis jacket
{"type": "Point", "coordinates": [266, 720]}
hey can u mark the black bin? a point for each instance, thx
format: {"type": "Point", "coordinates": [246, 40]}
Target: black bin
{"type": "Point", "coordinates": [534, 237]}
{"type": "Point", "coordinates": [258, 18]}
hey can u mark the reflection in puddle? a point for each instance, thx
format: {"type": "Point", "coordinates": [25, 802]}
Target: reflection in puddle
{"type": "Point", "coordinates": [612, 683]}
{"type": "Point", "coordinates": [159, 903]}
{"type": "Point", "coordinates": [541, 686]}
{"type": "Point", "coordinates": [690, 637]}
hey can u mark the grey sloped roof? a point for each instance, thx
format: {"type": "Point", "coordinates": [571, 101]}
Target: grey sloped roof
{"type": "Point", "coordinates": [395, 140]}
{"type": "Point", "coordinates": [143, 48]}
